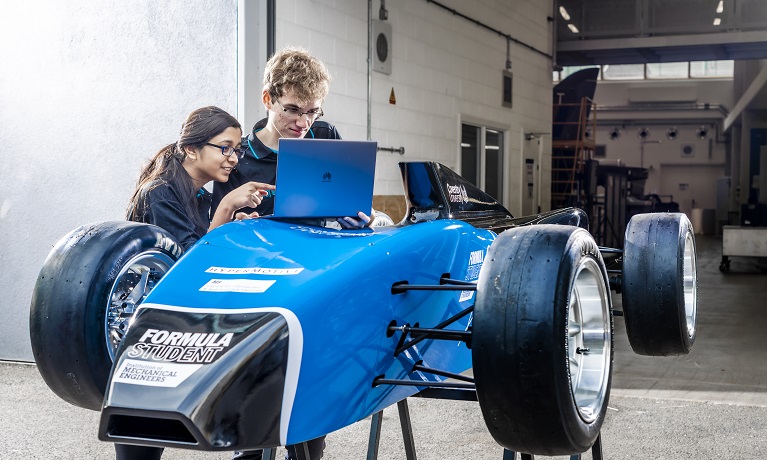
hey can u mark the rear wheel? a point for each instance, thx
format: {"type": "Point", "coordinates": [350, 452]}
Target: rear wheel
{"type": "Point", "coordinates": [83, 300]}
{"type": "Point", "coordinates": [660, 284]}
{"type": "Point", "coordinates": [542, 340]}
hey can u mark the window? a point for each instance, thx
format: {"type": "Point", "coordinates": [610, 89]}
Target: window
{"type": "Point", "coordinates": [712, 69]}
{"type": "Point", "coordinates": [567, 71]}
{"type": "Point", "coordinates": [482, 158]}
{"type": "Point", "coordinates": [668, 70]}
{"type": "Point", "coordinates": [623, 72]}
{"type": "Point", "coordinates": [655, 71]}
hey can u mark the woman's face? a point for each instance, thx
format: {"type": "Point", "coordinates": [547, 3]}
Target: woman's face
{"type": "Point", "coordinates": [207, 163]}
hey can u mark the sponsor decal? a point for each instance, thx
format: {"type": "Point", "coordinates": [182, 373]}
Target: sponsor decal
{"type": "Point", "coordinates": [254, 271]}
{"type": "Point", "coordinates": [180, 347]}
{"type": "Point", "coordinates": [153, 374]}
{"type": "Point", "coordinates": [318, 231]}
{"type": "Point", "coordinates": [457, 194]}
{"type": "Point", "coordinates": [237, 285]}
{"type": "Point", "coordinates": [468, 325]}
{"type": "Point", "coordinates": [475, 264]}
{"type": "Point", "coordinates": [472, 272]}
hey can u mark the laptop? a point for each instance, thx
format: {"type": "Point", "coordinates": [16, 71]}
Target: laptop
{"type": "Point", "coordinates": [325, 178]}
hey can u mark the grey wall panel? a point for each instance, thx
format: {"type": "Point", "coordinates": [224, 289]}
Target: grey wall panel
{"type": "Point", "coordinates": [88, 92]}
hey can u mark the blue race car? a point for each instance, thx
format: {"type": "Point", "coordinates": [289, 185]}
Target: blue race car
{"type": "Point", "coordinates": [268, 332]}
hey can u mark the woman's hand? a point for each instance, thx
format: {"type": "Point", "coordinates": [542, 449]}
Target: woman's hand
{"type": "Point", "coordinates": [245, 215]}
{"type": "Point", "coordinates": [248, 195]}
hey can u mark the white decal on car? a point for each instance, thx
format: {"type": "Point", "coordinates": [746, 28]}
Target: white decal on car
{"type": "Point", "coordinates": [154, 374]}
{"type": "Point", "coordinates": [472, 272]}
{"type": "Point", "coordinates": [237, 285]}
{"type": "Point", "coordinates": [457, 194]}
{"type": "Point", "coordinates": [254, 271]}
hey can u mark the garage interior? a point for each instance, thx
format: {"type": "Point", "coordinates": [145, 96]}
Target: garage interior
{"type": "Point", "coordinates": [663, 141]}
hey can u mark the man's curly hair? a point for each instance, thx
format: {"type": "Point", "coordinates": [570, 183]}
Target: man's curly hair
{"type": "Point", "coordinates": [294, 69]}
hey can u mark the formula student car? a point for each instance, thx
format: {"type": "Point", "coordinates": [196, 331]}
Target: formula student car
{"type": "Point", "coordinates": [268, 333]}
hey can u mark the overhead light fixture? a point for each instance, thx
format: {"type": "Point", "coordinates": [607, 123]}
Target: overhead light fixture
{"type": "Point", "coordinates": [566, 15]}
{"type": "Point", "coordinates": [717, 21]}
{"type": "Point", "coordinates": [719, 7]}
{"type": "Point", "coordinates": [572, 28]}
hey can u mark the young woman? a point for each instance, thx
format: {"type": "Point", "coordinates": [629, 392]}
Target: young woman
{"type": "Point", "coordinates": [170, 191]}
{"type": "Point", "coordinates": [170, 194]}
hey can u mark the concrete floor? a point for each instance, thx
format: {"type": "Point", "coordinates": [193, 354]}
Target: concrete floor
{"type": "Point", "coordinates": [709, 404]}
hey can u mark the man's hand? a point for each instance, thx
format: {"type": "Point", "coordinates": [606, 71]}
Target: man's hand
{"type": "Point", "coordinates": [361, 221]}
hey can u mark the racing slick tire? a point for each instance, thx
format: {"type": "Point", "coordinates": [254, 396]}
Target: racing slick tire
{"type": "Point", "coordinates": [542, 340]}
{"type": "Point", "coordinates": [659, 288]}
{"type": "Point", "coordinates": [85, 294]}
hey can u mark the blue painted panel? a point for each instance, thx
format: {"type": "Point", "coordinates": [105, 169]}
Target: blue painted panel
{"type": "Point", "coordinates": [338, 284]}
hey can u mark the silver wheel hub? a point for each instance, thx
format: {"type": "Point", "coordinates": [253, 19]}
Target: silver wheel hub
{"type": "Point", "coordinates": [589, 340]}
{"type": "Point", "coordinates": [690, 278]}
{"type": "Point", "coordinates": [134, 282]}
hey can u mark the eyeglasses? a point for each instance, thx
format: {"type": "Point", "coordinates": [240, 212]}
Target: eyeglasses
{"type": "Point", "coordinates": [227, 150]}
{"type": "Point", "coordinates": [294, 112]}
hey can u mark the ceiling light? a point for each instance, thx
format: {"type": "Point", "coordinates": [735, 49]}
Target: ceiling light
{"type": "Point", "coordinates": [719, 7]}
{"type": "Point", "coordinates": [717, 21]}
{"type": "Point", "coordinates": [572, 28]}
{"type": "Point", "coordinates": [566, 15]}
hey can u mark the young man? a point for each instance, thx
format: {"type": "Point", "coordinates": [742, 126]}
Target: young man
{"type": "Point", "coordinates": [295, 85]}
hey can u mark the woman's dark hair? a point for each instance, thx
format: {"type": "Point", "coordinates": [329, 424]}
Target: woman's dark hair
{"type": "Point", "coordinates": [166, 165]}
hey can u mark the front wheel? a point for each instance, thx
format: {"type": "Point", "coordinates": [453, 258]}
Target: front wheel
{"type": "Point", "coordinates": [542, 340]}
{"type": "Point", "coordinates": [86, 292]}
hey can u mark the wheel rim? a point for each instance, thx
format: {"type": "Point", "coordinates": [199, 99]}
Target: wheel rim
{"type": "Point", "coordinates": [690, 278]}
{"type": "Point", "coordinates": [589, 339]}
{"type": "Point", "coordinates": [135, 280]}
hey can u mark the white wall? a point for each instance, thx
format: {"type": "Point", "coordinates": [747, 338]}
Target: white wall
{"type": "Point", "coordinates": [88, 92]}
{"type": "Point", "coordinates": [444, 69]}
{"type": "Point", "coordinates": [689, 177]}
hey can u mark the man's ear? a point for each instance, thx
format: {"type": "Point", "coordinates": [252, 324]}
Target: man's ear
{"type": "Point", "coordinates": [266, 99]}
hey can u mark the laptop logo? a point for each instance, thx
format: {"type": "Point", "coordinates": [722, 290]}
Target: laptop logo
{"type": "Point", "coordinates": [327, 177]}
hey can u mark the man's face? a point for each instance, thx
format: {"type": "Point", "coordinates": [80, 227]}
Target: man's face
{"type": "Point", "coordinates": [291, 118]}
